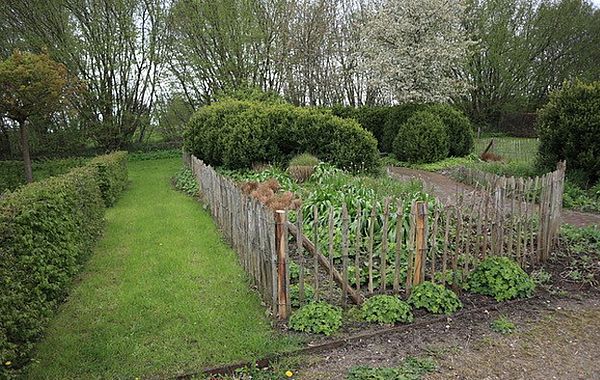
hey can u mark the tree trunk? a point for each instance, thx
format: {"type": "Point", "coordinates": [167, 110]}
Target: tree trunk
{"type": "Point", "coordinates": [25, 150]}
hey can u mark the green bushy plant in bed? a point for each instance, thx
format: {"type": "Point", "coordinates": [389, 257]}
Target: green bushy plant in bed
{"type": "Point", "coordinates": [237, 134]}
{"type": "Point", "coordinates": [422, 139]}
{"type": "Point", "coordinates": [501, 278]}
{"type": "Point", "coordinates": [396, 117]}
{"type": "Point", "coordinates": [384, 309]}
{"type": "Point", "coordinates": [434, 298]}
{"type": "Point", "coordinates": [569, 129]}
{"type": "Point", "coordinates": [309, 293]}
{"type": "Point", "coordinates": [185, 181]}
{"type": "Point", "coordinates": [317, 318]}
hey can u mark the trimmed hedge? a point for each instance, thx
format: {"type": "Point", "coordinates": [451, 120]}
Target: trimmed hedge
{"type": "Point", "coordinates": [112, 175]}
{"type": "Point", "coordinates": [371, 118]}
{"type": "Point", "coordinates": [236, 134]}
{"type": "Point", "coordinates": [397, 116]}
{"type": "Point", "coordinates": [47, 229]}
{"type": "Point", "coordinates": [422, 139]}
{"type": "Point", "coordinates": [460, 132]}
{"type": "Point", "coordinates": [569, 129]}
{"type": "Point", "coordinates": [12, 173]}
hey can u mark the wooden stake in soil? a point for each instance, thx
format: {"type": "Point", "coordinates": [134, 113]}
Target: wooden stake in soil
{"type": "Point", "coordinates": [384, 246]}
{"type": "Point", "coordinates": [345, 250]}
{"type": "Point", "coordinates": [330, 249]}
{"type": "Point", "coordinates": [420, 242]}
{"type": "Point", "coordinates": [371, 231]}
{"type": "Point", "coordinates": [300, 251]}
{"type": "Point", "coordinates": [281, 243]}
{"type": "Point", "coordinates": [357, 247]}
{"type": "Point", "coordinates": [316, 255]}
{"type": "Point", "coordinates": [399, 240]}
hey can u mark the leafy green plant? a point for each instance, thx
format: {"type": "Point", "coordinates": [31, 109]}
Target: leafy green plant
{"type": "Point", "coordinates": [185, 181]}
{"type": "Point", "coordinates": [422, 139]}
{"type": "Point", "coordinates": [304, 159]}
{"type": "Point", "coordinates": [434, 298]}
{"type": "Point", "coordinates": [501, 278]}
{"type": "Point", "coordinates": [384, 309]}
{"type": "Point", "coordinates": [578, 198]}
{"type": "Point", "coordinates": [458, 128]}
{"type": "Point", "coordinates": [502, 325]}
{"type": "Point", "coordinates": [541, 277]}
{"type": "Point", "coordinates": [309, 294]}
{"type": "Point", "coordinates": [412, 368]}
{"type": "Point", "coordinates": [568, 127]}
{"type": "Point", "coordinates": [317, 318]}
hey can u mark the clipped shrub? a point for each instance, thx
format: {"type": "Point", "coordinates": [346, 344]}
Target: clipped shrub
{"type": "Point", "coordinates": [302, 166]}
{"type": "Point", "coordinates": [112, 175]}
{"type": "Point", "coordinates": [422, 139]}
{"type": "Point", "coordinates": [46, 229]}
{"type": "Point", "coordinates": [385, 309]}
{"type": "Point", "coordinates": [309, 293]}
{"type": "Point", "coordinates": [12, 175]}
{"type": "Point", "coordinates": [434, 298]}
{"type": "Point", "coordinates": [396, 117]}
{"type": "Point", "coordinates": [317, 318]}
{"type": "Point", "coordinates": [501, 278]}
{"type": "Point", "coordinates": [236, 134]}
{"type": "Point", "coordinates": [569, 129]}
{"type": "Point", "coordinates": [458, 127]}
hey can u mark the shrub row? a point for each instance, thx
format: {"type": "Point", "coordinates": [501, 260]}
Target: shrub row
{"type": "Point", "coordinates": [237, 134]}
{"type": "Point", "coordinates": [421, 138]}
{"type": "Point", "coordinates": [569, 129]}
{"type": "Point", "coordinates": [12, 173]}
{"type": "Point", "coordinates": [47, 228]}
{"type": "Point", "coordinates": [112, 175]}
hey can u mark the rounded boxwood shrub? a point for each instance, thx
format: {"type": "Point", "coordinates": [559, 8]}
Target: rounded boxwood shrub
{"type": "Point", "coordinates": [317, 318]}
{"type": "Point", "coordinates": [422, 139]}
{"type": "Point", "coordinates": [236, 134]}
{"type": "Point", "coordinates": [501, 278]}
{"type": "Point", "coordinates": [434, 298]}
{"type": "Point", "coordinates": [395, 118]}
{"type": "Point", "coordinates": [569, 129]}
{"type": "Point", "coordinates": [385, 309]}
{"type": "Point", "coordinates": [458, 128]}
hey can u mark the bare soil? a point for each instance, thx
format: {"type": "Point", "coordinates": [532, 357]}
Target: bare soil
{"type": "Point", "coordinates": [556, 338]}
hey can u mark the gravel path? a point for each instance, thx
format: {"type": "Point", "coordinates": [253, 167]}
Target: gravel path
{"type": "Point", "coordinates": [446, 190]}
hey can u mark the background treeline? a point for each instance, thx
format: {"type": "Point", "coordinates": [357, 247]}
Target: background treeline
{"type": "Point", "coordinates": [149, 64]}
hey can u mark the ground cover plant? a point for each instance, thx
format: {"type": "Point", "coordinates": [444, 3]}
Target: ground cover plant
{"type": "Point", "coordinates": [501, 278]}
{"type": "Point", "coordinates": [152, 303]}
{"type": "Point", "coordinates": [434, 298]}
{"type": "Point", "coordinates": [579, 260]}
{"type": "Point", "coordinates": [317, 318]}
{"type": "Point", "coordinates": [502, 325]}
{"type": "Point", "coordinates": [385, 309]}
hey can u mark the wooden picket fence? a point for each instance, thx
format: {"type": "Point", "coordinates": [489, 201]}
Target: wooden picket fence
{"type": "Point", "coordinates": [343, 256]}
{"type": "Point", "coordinates": [247, 225]}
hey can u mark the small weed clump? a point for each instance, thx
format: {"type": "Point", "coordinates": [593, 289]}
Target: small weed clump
{"type": "Point", "coordinates": [317, 318]}
{"type": "Point", "coordinates": [185, 181]}
{"type": "Point", "coordinates": [412, 368]}
{"type": "Point", "coordinates": [501, 278]}
{"type": "Point", "coordinates": [434, 298]}
{"type": "Point", "coordinates": [385, 309]}
{"type": "Point", "coordinates": [502, 325]}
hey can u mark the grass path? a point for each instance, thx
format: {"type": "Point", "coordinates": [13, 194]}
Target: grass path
{"type": "Point", "coordinates": [161, 295]}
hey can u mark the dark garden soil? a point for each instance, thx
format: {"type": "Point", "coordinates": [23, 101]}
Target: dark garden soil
{"type": "Point", "coordinates": [556, 338]}
{"type": "Point", "coordinates": [446, 190]}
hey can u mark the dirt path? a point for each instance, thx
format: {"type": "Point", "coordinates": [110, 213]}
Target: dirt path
{"type": "Point", "coordinates": [555, 338]}
{"type": "Point", "coordinates": [446, 189]}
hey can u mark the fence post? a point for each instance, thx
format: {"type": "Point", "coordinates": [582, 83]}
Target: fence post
{"type": "Point", "coordinates": [420, 242]}
{"type": "Point", "coordinates": [282, 270]}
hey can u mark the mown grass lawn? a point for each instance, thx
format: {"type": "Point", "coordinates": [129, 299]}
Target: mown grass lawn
{"type": "Point", "coordinates": [161, 295]}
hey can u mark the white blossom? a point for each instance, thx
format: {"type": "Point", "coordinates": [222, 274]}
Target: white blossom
{"type": "Point", "coordinates": [414, 48]}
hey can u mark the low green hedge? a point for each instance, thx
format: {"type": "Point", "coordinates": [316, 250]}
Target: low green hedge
{"type": "Point", "coordinates": [422, 139]}
{"type": "Point", "coordinates": [236, 134]}
{"type": "Point", "coordinates": [112, 175]}
{"type": "Point", "coordinates": [47, 229]}
{"type": "Point", "coordinates": [12, 173]}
